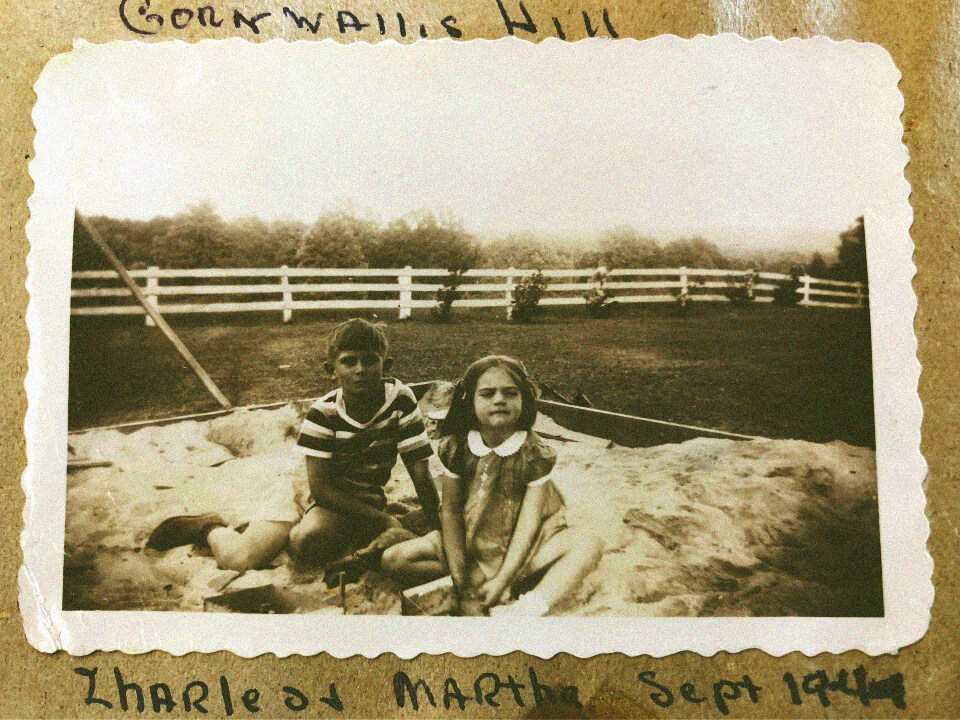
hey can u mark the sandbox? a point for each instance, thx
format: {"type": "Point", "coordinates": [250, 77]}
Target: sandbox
{"type": "Point", "coordinates": [704, 527]}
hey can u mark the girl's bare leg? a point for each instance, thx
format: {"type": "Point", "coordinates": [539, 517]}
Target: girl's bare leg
{"type": "Point", "coordinates": [413, 562]}
{"type": "Point", "coordinates": [571, 555]}
{"type": "Point", "coordinates": [258, 544]}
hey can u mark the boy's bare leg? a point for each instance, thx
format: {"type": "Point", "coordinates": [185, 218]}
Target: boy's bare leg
{"type": "Point", "coordinates": [571, 555]}
{"type": "Point", "coordinates": [258, 544]}
{"type": "Point", "coordinates": [413, 562]}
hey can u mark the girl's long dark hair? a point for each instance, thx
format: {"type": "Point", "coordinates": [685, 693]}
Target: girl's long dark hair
{"type": "Point", "coordinates": [461, 417]}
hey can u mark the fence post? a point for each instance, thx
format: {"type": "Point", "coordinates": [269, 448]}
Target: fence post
{"type": "Point", "coordinates": [405, 279]}
{"type": "Point", "coordinates": [805, 291]}
{"type": "Point", "coordinates": [287, 295]}
{"type": "Point", "coordinates": [859, 303]}
{"type": "Point", "coordinates": [684, 289]}
{"type": "Point", "coordinates": [508, 295]}
{"type": "Point", "coordinates": [153, 282]}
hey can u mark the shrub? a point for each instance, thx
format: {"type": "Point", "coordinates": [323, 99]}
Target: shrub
{"type": "Point", "coordinates": [597, 298]}
{"type": "Point", "coordinates": [527, 295]}
{"type": "Point", "coordinates": [447, 294]}
{"type": "Point", "coordinates": [787, 291]}
{"type": "Point", "coordinates": [741, 292]}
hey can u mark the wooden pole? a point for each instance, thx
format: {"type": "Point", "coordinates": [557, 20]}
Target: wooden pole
{"type": "Point", "coordinates": [151, 311]}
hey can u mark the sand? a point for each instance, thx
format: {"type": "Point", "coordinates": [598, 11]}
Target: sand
{"type": "Point", "coordinates": [704, 527]}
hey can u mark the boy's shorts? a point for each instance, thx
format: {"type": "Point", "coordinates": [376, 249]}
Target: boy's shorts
{"type": "Point", "coordinates": [290, 497]}
{"type": "Point", "coordinates": [291, 500]}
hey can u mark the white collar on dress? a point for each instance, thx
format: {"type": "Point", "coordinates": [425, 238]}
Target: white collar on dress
{"type": "Point", "coordinates": [505, 449]}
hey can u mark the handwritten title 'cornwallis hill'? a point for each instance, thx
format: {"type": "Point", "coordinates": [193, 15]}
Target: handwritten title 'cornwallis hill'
{"type": "Point", "coordinates": [144, 19]}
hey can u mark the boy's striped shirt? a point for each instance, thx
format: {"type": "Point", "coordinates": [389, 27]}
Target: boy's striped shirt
{"type": "Point", "coordinates": [363, 454]}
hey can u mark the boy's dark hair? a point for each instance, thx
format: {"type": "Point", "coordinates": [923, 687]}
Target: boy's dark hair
{"type": "Point", "coordinates": [461, 417]}
{"type": "Point", "coordinates": [358, 335]}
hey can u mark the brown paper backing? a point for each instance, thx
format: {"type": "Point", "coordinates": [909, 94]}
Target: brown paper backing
{"type": "Point", "coordinates": [924, 40]}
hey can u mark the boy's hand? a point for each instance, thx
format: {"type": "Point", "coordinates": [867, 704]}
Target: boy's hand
{"type": "Point", "coordinates": [421, 522]}
{"type": "Point", "coordinates": [388, 538]}
{"type": "Point", "coordinates": [390, 522]}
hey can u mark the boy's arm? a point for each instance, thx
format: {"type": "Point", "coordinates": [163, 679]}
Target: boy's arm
{"type": "Point", "coordinates": [414, 448]}
{"type": "Point", "coordinates": [528, 523]}
{"type": "Point", "coordinates": [426, 490]}
{"type": "Point", "coordinates": [318, 477]}
{"type": "Point", "coordinates": [452, 529]}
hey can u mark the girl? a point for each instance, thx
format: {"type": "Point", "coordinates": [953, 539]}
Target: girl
{"type": "Point", "coordinates": [502, 518]}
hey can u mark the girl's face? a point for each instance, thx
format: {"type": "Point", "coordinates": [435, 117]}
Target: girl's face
{"type": "Point", "coordinates": [497, 401]}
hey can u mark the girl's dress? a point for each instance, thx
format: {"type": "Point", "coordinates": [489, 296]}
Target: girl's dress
{"type": "Point", "coordinates": [497, 479]}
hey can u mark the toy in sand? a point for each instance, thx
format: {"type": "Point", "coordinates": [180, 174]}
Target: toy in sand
{"type": "Point", "coordinates": [704, 527]}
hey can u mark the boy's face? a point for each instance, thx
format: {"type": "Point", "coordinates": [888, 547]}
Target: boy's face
{"type": "Point", "coordinates": [359, 372]}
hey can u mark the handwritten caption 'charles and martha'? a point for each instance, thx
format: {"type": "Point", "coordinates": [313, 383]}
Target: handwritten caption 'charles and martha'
{"type": "Point", "coordinates": [140, 18]}
{"type": "Point", "coordinates": [121, 693]}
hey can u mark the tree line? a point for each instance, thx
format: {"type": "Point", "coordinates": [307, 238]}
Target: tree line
{"type": "Point", "coordinates": [851, 259]}
{"type": "Point", "coordinates": [200, 238]}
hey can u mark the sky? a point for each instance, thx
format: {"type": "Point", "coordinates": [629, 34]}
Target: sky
{"type": "Point", "coordinates": [758, 145]}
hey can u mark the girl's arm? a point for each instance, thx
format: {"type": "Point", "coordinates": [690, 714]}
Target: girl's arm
{"type": "Point", "coordinates": [453, 530]}
{"type": "Point", "coordinates": [528, 523]}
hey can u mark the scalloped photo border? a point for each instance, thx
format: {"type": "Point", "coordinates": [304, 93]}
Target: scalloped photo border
{"type": "Point", "coordinates": [906, 564]}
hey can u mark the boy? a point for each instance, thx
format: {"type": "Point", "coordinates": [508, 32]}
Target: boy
{"type": "Point", "coordinates": [351, 438]}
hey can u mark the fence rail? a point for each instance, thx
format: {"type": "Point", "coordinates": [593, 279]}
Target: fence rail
{"type": "Point", "coordinates": [285, 289]}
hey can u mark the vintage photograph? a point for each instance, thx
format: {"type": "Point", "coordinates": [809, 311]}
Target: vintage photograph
{"type": "Point", "coordinates": [487, 329]}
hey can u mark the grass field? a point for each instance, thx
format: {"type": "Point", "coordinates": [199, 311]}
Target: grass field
{"type": "Point", "coordinates": [778, 372]}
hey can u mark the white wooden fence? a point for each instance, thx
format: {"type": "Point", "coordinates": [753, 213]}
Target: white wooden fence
{"type": "Point", "coordinates": [285, 289]}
